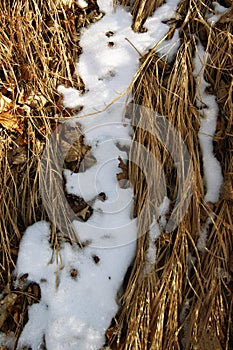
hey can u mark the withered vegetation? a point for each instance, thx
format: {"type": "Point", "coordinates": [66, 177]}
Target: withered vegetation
{"type": "Point", "coordinates": [186, 300]}
{"type": "Point", "coordinates": [39, 48]}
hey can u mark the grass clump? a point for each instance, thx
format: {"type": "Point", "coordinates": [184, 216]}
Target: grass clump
{"type": "Point", "coordinates": [39, 49]}
{"type": "Point", "coordinates": [185, 301]}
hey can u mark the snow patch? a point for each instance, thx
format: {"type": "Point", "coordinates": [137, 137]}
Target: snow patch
{"type": "Point", "coordinates": [209, 113]}
{"type": "Point", "coordinates": [155, 230]}
{"type": "Point", "coordinates": [77, 313]}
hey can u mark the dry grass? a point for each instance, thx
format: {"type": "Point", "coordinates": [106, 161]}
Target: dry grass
{"type": "Point", "coordinates": [141, 10]}
{"type": "Point", "coordinates": [182, 303]}
{"type": "Point", "coordinates": [39, 48]}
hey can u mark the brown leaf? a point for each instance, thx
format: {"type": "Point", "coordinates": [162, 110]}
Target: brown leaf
{"type": "Point", "coordinates": [79, 206]}
{"type": "Point", "coordinates": [88, 161]}
{"type": "Point", "coordinates": [73, 273]}
{"type": "Point", "coordinates": [96, 259]}
{"type": "Point", "coordinates": [122, 165]}
{"type": "Point", "coordinates": [10, 114]}
{"type": "Point", "coordinates": [9, 121]}
{"type": "Point", "coordinates": [6, 304]}
{"type": "Point", "coordinates": [16, 317]}
{"type": "Point", "coordinates": [34, 291]}
{"type": "Point", "coordinates": [102, 196]}
{"type": "Point", "coordinates": [110, 332]}
{"type": "Point", "coordinates": [124, 176]}
{"type": "Point", "coordinates": [5, 103]}
{"type": "Point", "coordinates": [26, 72]}
{"type": "Point", "coordinates": [109, 33]}
{"type": "Point", "coordinates": [85, 213]}
{"type": "Point", "coordinates": [17, 156]}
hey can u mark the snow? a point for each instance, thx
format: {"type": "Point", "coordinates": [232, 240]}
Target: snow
{"type": "Point", "coordinates": [156, 227]}
{"type": "Point", "coordinates": [219, 10]}
{"type": "Point", "coordinates": [76, 309]}
{"type": "Point", "coordinates": [108, 71]}
{"type": "Point", "coordinates": [209, 112]}
{"type": "Point", "coordinates": [7, 340]}
{"type": "Point", "coordinates": [201, 244]}
{"type": "Point", "coordinates": [82, 3]}
{"type": "Point", "coordinates": [208, 120]}
{"type": "Point", "coordinates": [75, 312]}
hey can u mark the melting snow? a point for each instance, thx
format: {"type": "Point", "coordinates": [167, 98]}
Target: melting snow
{"type": "Point", "coordinates": [77, 313]}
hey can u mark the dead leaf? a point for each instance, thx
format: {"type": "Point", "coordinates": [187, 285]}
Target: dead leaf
{"type": "Point", "coordinates": [88, 161]}
{"type": "Point", "coordinates": [35, 293]}
{"type": "Point", "coordinates": [10, 114]}
{"type": "Point", "coordinates": [102, 196]}
{"type": "Point", "coordinates": [85, 213]}
{"type": "Point", "coordinates": [74, 273]}
{"type": "Point", "coordinates": [9, 121]}
{"type": "Point", "coordinates": [32, 100]}
{"type": "Point", "coordinates": [5, 304]}
{"type": "Point", "coordinates": [5, 103]}
{"type": "Point", "coordinates": [124, 176]}
{"type": "Point", "coordinates": [17, 156]}
{"type": "Point", "coordinates": [79, 206]}
{"type": "Point", "coordinates": [16, 317]}
{"type": "Point", "coordinates": [96, 259]}
{"type": "Point", "coordinates": [26, 72]}
{"type": "Point", "coordinates": [111, 332]}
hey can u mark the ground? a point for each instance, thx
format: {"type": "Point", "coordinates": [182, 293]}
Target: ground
{"type": "Point", "coordinates": [116, 161]}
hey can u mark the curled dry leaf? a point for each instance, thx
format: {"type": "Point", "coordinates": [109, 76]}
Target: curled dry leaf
{"type": "Point", "coordinates": [17, 156]}
{"type": "Point", "coordinates": [9, 121]}
{"type": "Point", "coordinates": [32, 100]}
{"type": "Point", "coordinates": [34, 293]}
{"type": "Point", "coordinates": [124, 168]}
{"type": "Point", "coordinates": [102, 196]}
{"type": "Point", "coordinates": [78, 155]}
{"type": "Point", "coordinates": [124, 176]}
{"type": "Point", "coordinates": [11, 115]}
{"type": "Point", "coordinates": [88, 161]}
{"type": "Point", "coordinates": [79, 206]}
{"type": "Point", "coordinates": [75, 151]}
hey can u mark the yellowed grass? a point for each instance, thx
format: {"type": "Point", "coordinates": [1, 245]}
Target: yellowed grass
{"type": "Point", "coordinates": [38, 51]}
{"type": "Point", "coordinates": [167, 308]}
